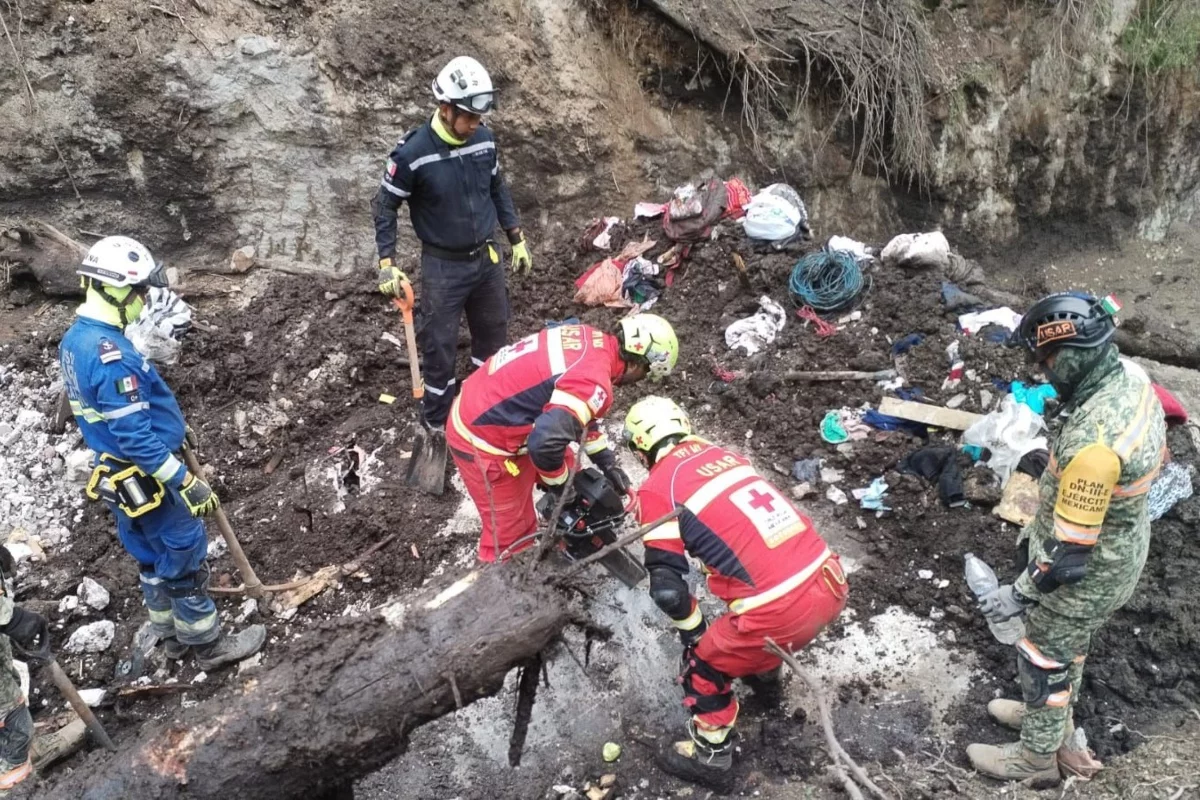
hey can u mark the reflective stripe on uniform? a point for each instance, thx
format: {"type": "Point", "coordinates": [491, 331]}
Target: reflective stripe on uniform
{"type": "Point", "coordinates": [1071, 533]}
{"type": "Point", "coordinates": [691, 621]}
{"type": "Point", "coordinates": [666, 531]}
{"type": "Point", "coordinates": [88, 414]}
{"type": "Point", "coordinates": [717, 486]}
{"type": "Point", "coordinates": [168, 469]}
{"type": "Point", "coordinates": [439, 392]}
{"type": "Point", "coordinates": [395, 189]}
{"type": "Point", "coordinates": [202, 625]}
{"type": "Point", "coordinates": [1140, 486]}
{"type": "Point", "coordinates": [1136, 432]}
{"type": "Point", "coordinates": [556, 478]}
{"type": "Point", "coordinates": [417, 163]}
{"type": "Point", "coordinates": [596, 445]}
{"type": "Point", "coordinates": [1031, 652]}
{"type": "Point", "coordinates": [578, 407]}
{"type": "Point", "coordinates": [554, 351]}
{"type": "Point", "coordinates": [125, 411]}
{"type": "Point", "coordinates": [477, 361]}
{"type": "Point", "coordinates": [465, 432]}
{"type": "Point", "coordinates": [745, 604]}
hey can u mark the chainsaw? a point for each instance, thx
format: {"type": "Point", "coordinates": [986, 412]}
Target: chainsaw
{"type": "Point", "coordinates": [591, 519]}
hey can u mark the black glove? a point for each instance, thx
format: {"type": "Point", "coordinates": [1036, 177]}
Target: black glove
{"type": "Point", "coordinates": [619, 480]}
{"type": "Point", "coordinates": [29, 630]}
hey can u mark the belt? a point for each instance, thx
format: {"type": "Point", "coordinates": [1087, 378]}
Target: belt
{"type": "Point", "coordinates": [456, 255]}
{"type": "Point", "coordinates": [744, 604]}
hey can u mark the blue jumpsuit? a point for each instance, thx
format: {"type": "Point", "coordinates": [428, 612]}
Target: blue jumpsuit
{"type": "Point", "coordinates": [125, 410]}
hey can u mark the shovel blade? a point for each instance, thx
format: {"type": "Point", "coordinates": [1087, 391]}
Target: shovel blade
{"type": "Point", "coordinates": [427, 468]}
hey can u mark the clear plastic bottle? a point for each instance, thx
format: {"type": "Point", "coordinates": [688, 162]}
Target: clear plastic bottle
{"type": "Point", "coordinates": [982, 579]}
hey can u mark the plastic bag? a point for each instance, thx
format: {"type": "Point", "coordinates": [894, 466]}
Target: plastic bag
{"type": "Point", "coordinates": [1010, 432]}
{"type": "Point", "coordinates": [157, 333]}
{"type": "Point", "coordinates": [776, 214]}
{"type": "Point", "coordinates": [917, 250]}
{"type": "Point", "coordinates": [754, 333]}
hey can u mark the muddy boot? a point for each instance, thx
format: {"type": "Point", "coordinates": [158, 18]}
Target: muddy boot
{"type": "Point", "coordinates": [173, 649]}
{"type": "Point", "coordinates": [1015, 762]}
{"type": "Point", "coordinates": [1074, 757]}
{"type": "Point", "coordinates": [701, 762]}
{"type": "Point", "coordinates": [1009, 713]}
{"type": "Point", "coordinates": [230, 649]}
{"type": "Point", "coordinates": [767, 687]}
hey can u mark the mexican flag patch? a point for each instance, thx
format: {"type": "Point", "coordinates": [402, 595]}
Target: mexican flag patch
{"type": "Point", "coordinates": [127, 385]}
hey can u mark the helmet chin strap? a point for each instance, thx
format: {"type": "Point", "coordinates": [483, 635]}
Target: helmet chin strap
{"type": "Point", "coordinates": [123, 304]}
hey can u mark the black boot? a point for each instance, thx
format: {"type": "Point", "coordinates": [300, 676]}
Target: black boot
{"type": "Point", "coordinates": [767, 687]}
{"type": "Point", "coordinates": [230, 649]}
{"type": "Point", "coordinates": [173, 648]}
{"type": "Point", "coordinates": [700, 761]}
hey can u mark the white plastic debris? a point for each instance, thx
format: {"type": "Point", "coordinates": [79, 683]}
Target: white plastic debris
{"type": "Point", "coordinates": [976, 321]}
{"type": "Point", "coordinates": [95, 637]}
{"type": "Point", "coordinates": [925, 250]}
{"type": "Point", "coordinates": [844, 244]}
{"type": "Point", "coordinates": [1009, 432]}
{"type": "Point", "coordinates": [836, 495]}
{"type": "Point", "coordinates": [93, 594]}
{"type": "Point", "coordinates": [159, 330]}
{"type": "Point", "coordinates": [754, 333]}
{"type": "Point", "coordinates": [775, 214]}
{"type": "Point", "coordinates": [92, 697]}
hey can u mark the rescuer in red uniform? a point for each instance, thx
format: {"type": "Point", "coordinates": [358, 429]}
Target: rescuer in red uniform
{"type": "Point", "coordinates": [762, 556]}
{"type": "Point", "coordinates": [515, 421]}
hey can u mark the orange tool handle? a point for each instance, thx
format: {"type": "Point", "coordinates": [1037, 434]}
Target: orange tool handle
{"type": "Point", "coordinates": [406, 311]}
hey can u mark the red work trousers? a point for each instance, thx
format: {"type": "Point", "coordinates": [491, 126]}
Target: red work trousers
{"type": "Point", "coordinates": [508, 514]}
{"type": "Point", "coordinates": [734, 644]}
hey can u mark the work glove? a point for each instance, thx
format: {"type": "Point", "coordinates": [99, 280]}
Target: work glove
{"type": "Point", "coordinates": [619, 480]}
{"type": "Point", "coordinates": [198, 496]}
{"type": "Point", "coordinates": [1003, 603]}
{"type": "Point", "coordinates": [28, 629]}
{"type": "Point", "coordinates": [522, 263]}
{"type": "Point", "coordinates": [390, 278]}
{"type": "Point", "coordinates": [691, 638]}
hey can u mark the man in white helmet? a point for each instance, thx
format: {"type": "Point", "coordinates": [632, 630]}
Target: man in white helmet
{"type": "Point", "coordinates": [449, 173]}
{"type": "Point", "coordinates": [129, 417]}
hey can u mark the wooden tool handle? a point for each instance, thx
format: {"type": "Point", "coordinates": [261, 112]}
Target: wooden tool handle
{"type": "Point", "coordinates": [253, 586]}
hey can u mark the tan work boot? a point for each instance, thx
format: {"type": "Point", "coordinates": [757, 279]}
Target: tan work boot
{"type": "Point", "coordinates": [1009, 713]}
{"type": "Point", "coordinates": [1015, 762]}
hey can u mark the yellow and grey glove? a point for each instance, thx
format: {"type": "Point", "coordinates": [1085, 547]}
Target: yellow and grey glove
{"type": "Point", "coordinates": [198, 496]}
{"type": "Point", "coordinates": [522, 262]}
{"type": "Point", "coordinates": [390, 278]}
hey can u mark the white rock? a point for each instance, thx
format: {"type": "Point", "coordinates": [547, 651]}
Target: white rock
{"type": "Point", "coordinates": [925, 574]}
{"type": "Point", "coordinates": [20, 551]}
{"type": "Point", "coordinates": [93, 594]}
{"type": "Point", "coordinates": [956, 401]}
{"type": "Point", "coordinates": [831, 475]}
{"type": "Point", "coordinates": [249, 663]}
{"type": "Point", "coordinates": [250, 606]}
{"type": "Point", "coordinates": [28, 419]}
{"type": "Point", "coordinates": [837, 496]}
{"type": "Point", "coordinates": [79, 465]}
{"type": "Point", "coordinates": [242, 258]}
{"type": "Point", "coordinates": [92, 697]}
{"type": "Point", "coordinates": [68, 604]}
{"type": "Point", "coordinates": [801, 490]}
{"type": "Point", "coordinates": [94, 637]}
{"type": "Point", "coordinates": [201, 677]}
{"type": "Point", "coordinates": [943, 583]}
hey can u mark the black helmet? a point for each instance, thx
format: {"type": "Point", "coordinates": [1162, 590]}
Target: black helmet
{"type": "Point", "coordinates": [1066, 319]}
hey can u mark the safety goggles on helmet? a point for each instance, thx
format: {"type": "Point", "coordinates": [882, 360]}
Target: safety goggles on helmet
{"type": "Point", "coordinates": [480, 103]}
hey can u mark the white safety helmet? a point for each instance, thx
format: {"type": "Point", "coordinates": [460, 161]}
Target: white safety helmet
{"type": "Point", "coordinates": [465, 84]}
{"type": "Point", "coordinates": [120, 261]}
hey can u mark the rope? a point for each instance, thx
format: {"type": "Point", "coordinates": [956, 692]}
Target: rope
{"type": "Point", "coordinates": [827, 281]}
{"type": "Point", "coordinates": [822, 328]}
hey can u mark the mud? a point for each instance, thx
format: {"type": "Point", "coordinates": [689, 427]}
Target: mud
{"type": "Point", "coordinates": [282, 383]}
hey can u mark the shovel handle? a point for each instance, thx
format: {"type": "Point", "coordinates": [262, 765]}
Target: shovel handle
{"type": "Point", "coordinates": [68, 690]}
{"type": "Point", "coordinates": [406, 311]}
{"type": "Point", "coordinates": [253, 586]}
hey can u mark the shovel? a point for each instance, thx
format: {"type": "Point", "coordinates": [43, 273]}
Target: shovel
{"type": "Point", "coordinates": [427, 466]}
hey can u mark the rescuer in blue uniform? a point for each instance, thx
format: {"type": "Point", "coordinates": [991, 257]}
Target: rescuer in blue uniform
{"type": "Point", "coordinates": [129, 417]}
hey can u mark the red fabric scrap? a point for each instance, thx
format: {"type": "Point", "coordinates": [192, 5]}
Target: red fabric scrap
{"type": "Point", "coordinates": [739, 198]}
{"type": "Point", "coordinates": [1175, 413]}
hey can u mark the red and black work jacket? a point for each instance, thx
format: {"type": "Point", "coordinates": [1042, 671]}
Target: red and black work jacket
{"type": "Point", "coordinates": [755, 544]}
{"type": "Point", "coordinates": [538, 395]}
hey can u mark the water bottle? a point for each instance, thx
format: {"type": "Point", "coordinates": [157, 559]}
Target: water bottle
{"type": "Point", "coordinates": [982, 579]}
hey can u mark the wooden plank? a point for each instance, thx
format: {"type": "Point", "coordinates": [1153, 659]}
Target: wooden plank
{"type": "Point", "coordinates": [930, 415]}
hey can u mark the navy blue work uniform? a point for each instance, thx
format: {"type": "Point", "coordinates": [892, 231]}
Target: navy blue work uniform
{"type": "Point", "coordinates": [456, 198]}
{"type": "Point", "coordinates": [129, 417]}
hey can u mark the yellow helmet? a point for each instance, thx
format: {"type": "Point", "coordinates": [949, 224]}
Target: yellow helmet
{"type": "Point", "coordinates": [651, 338]}
{"type": "Point", "coordinates": [653, 419]}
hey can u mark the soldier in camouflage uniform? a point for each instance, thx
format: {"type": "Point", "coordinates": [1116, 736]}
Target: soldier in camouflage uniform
{"type": "Point", "coordinates": [1088, 543]}
{"type": "Point", "coordinates": [30, 631]}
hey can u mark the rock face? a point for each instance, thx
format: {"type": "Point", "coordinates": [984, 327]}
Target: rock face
{"type": "Point", "coordinates": [266, 125]}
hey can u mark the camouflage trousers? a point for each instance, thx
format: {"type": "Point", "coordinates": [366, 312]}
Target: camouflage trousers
{"type": "Point", "coordinates": [1066, 640]}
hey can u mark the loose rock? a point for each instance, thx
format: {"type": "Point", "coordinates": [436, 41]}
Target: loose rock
{"type": "Point", "coordinates": [95, 637]}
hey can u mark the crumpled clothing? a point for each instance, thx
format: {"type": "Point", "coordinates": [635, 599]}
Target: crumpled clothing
{"type": "Point", "coordinates": [919, 250]}
{"type": "Point", "coordinates": [158, 332]}
{"type": "Point", "coordinates": [807, 470]}
{"type": "Point", "coordinates": [843, 424]}
{"type": "Point", "coordinates": [599, 232]}
{"type": "Point", "coordinates": [955, 299]}
{"type": "Point", "coordinates": [1033, 396]}
{"type": "Point", "coordinates": [1173, 410]}
{"type": "Point", "coordinates": [886, 422]}
{"type": "Point", "coordinates": [976, 321]}
{"type": "Point", "coordinates": [872, 496]}
{"type": "Point", "coordinates": [649, 210]}
{"type": "Point", "coordinates": [937, 462]}
{"type": "Point", "coordinates": [640, 285]}
{"type": "Point", "coordinates": [907, 343]}
{"type": "Point", "coordinates": [1034, 463]}
{"type": "Point", "coordinates": [601, 285]}
{"type": "Point", "coordinates": [1172, 485]}
{"type": "Point", "coordinates": [739, 198]}
{"type": "Point", "coordinates": [1009, 432]}
{"type": "Point", "coordinates": [957, 367]}
{"type": "Point", "coordinates": [845, 244]}
{"type": "Point", "coordinates": [754, 333]}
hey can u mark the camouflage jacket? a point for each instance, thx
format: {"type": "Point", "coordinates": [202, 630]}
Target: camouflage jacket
{"type": "Point", "coordinates": [10, 681]}
{"type": "Point", "coordinates": [1093, 492]}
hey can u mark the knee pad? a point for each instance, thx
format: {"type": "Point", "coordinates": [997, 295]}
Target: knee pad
{"type": "Point", "coordinates": [1044, 681]}
{"type": "Point", "coordinates": [701, 702]}
{"type": "Point", "coordinates": [670, 592]}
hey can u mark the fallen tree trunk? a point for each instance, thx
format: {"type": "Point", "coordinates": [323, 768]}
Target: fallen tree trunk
{"type": "Point", "coordinates": [340, 703]}
{"type": "Point", "coordinates": [1164, 345]}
